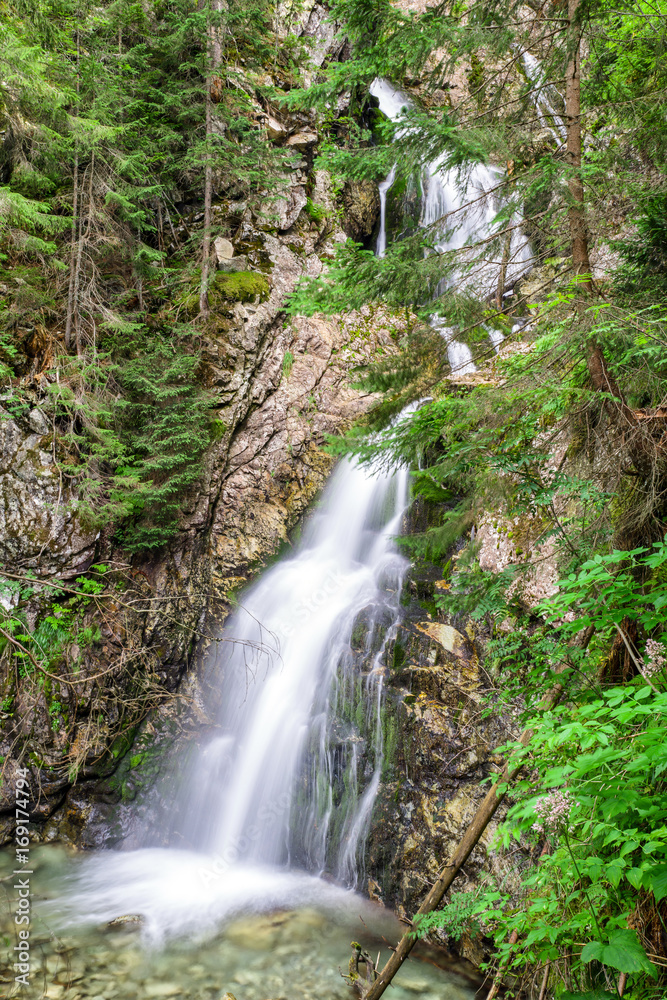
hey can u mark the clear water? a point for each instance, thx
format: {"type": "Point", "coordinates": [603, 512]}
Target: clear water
{"type": "Point", "coordinates": [290, 953]}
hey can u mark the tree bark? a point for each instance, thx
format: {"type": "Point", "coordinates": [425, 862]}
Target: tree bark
{"type": "Point", "coordinates": [214, 56]}
{"type": "Point", "coordinates": [498, 980]}
{"type": "Point", "coordinates": [72, 304]}
{"type": "Point", "coordinates": [576, 211]}
{"type": "Point", "coordinates": [500, 288]}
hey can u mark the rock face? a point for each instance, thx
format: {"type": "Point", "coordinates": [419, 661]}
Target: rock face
{"type": "Point", "coordinates": [40, 529]}
{"type": "Point", "coordinates": [440, 747]}
{"type": "Point", "coordinates": [361, 201]}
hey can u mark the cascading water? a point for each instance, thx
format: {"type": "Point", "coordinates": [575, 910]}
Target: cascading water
{"type": "Point", "coordinates": [283, 792]}
{"type": "Point", "coordinates": [266, 791]}
{"type": "Point", "coordinates": [459, 209]}
{"type": "Point", "coordinates": [546, 99]}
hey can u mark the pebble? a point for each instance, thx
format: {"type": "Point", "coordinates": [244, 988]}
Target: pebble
{"type": "Point", "coordinates": [162, 989]}
{"type": "Point", "coordinates": [414, 985]}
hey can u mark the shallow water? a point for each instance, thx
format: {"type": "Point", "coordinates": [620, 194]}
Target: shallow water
{"type": "Point", "coordinates": [292, 953]}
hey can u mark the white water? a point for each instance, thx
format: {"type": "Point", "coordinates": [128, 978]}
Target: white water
{"type": "Point", "coordinates": [264, 792]}
{"type": "Point", "coordinates": [385, 185]}
{"type": "Point", "coordinates": [459, 208]}
{"type": "Point", "coordinates": [545, 99]}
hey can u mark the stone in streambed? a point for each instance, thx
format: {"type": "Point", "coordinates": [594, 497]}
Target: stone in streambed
{"type": "Point", "coordinates": [161, 989]}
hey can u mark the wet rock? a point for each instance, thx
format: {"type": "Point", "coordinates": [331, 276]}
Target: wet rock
{"type": "Point", "coordinates": [448, 637]}
{"type": "Point", "coordinates": [439, 750]}
{"type": "Point", "coordinates": [361, 203]}
{"type": "Point", "coordinates": [161, 989]}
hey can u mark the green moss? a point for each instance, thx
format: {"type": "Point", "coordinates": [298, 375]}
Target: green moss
{"type": "Point", "coordinates": [398, 655]}
{"type": "Point", "coordinates": [315, 212]}
{"type": "Point", "coordinates": [239, 286]}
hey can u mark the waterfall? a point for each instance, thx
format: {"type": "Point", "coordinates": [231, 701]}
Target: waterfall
{"type": "Point", "coordinates": [459, 207]}
{"type": "Point", "coordinates": [384, 186]}
{"type": "Point", "coordinates": [287, 668]}
{"type": "Point", "coordinates": [282, 790]}
{"type": "Point", "coordinates": [279, 784]}
{"type": "Point", "coordinates": [546, 98]}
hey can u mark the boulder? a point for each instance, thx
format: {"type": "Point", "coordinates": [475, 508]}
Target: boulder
{"type": "Point", "coordinates": [239, 263]}
{"type": "Point", "coordinates": [224, 250]}
{"type": "Point", "coordinates": [301, 140]}
{"type": "Point", "coordinates": [275, 130]}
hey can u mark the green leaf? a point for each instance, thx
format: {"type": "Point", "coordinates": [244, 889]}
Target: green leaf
{"type": "Point", "coordinates": [590, 995]}
{"type": "Point", "coordinates": [635, 877]}
{"type": "Point", "coordinates": [623, 952]}
{"type": "Point", "coordinates": [656, 880]}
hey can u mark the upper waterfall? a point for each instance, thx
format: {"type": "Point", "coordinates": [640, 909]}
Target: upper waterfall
{"type": "Point", "coordinates": [458, 207]}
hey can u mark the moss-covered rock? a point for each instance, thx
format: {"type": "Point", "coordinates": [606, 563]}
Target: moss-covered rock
{"type": "Point", "coordinates": [243, 286]}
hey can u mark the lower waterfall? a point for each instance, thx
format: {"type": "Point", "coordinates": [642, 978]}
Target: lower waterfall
{"type": "Point", "coordinates": [276, 795]}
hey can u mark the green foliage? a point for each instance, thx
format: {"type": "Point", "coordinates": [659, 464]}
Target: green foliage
{"type": "Point", "coordinates": [461, 916]}
{"type": "Point", "coordinates": [40, 651]}
{"type": "Point", "coordinates": [315, 212]}
{"type": "Point", "coordinates": [107, 133]}
{"type": "Point", "coordinates": [163, 432]}
{"type": "Point", "coordinates": [645, 256]}
{"type": "Point", "coordinates": [288, 362]}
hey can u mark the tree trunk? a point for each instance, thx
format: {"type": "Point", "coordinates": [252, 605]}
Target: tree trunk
{"type": "Point", "coordinates": [500, 289]}
{"type": "Point", "coordinates": [72, 304]}
{"type": "Point", "coordinates": [576, 212]}
{"type": "Point", "coordinates": [214, 55]}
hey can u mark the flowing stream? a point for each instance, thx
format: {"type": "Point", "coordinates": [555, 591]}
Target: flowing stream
{"type": "Point", "coordinates": [278, 796]}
